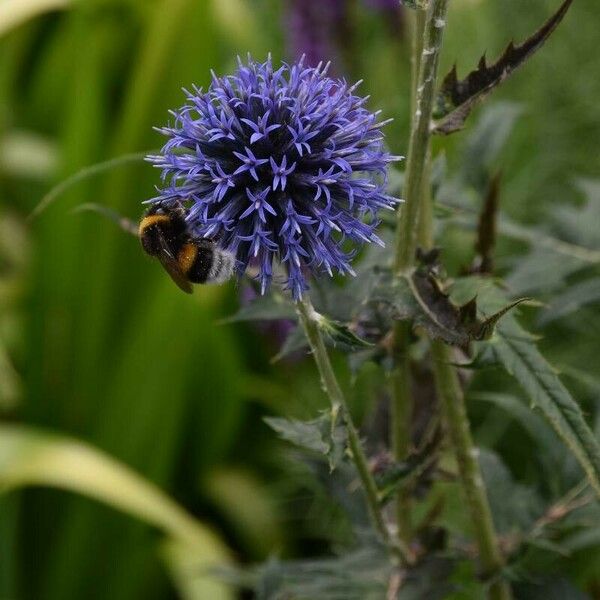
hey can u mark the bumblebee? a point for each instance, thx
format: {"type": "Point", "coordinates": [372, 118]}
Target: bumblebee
{"type": "Point", "coordinates": [164, 234]}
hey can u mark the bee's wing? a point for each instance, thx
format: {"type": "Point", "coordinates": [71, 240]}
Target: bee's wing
{"type": "Point", "coordinates": [169, 262]}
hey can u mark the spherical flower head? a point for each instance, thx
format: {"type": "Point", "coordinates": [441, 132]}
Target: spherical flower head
{"type": "Point", "coordinates": [283, 164]}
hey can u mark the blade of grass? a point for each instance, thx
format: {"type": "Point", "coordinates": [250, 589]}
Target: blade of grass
{"type": "Point", "coordinates": [107, 370]}
{"type": "Point", "coordinates": [15, 12]}
{"type": "Point", "coordinates": [177, 45]}
{"type": "Point", "coordinates": [32, 457]}
{"type": "Point", "coordinates": [149, 406]}
{"type": "Point", "coordinates": [9, 547]}
{"type": "Point", "coordinates": [86, 172]}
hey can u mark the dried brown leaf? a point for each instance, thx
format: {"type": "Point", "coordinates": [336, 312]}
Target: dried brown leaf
{"type": "Point", "coordinates": [486, 229]}
{"type": "Point", "coordinates": [457, 97]}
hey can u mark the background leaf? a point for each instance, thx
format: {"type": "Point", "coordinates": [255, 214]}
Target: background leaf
{"type": "Point", "coordinates": [548, 452]}
{"type": "Point", "coordinates": [325, 435]}
{"type": "Point", "coordinates": [30, 457]}
{"type": "Point", "coordinates": [14, 12]}
{"type": "Point", "coordinates": [575, 297]}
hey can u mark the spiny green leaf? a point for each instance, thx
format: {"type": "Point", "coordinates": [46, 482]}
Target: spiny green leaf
{"type": "Point", "coordinates": [585, 378]}
{"type": "Point", "coordinates": [585, 539]}
{"type": "Point", "coordinates": [513, 504]}
{"type": "Point", "coordinates": [270, 307]}
{"type": "Point", "coordinates": [542, 271]}
{"type": "Point", "coordinates": [390, 478]}
{"type": "Point", "coordinates": [521, 359]}
{"type": "Point", "coordinates": [580, 224]}
{"type": "Point", "coordinates": [325, 435]}
{"type": "Point", "coordinates": [457, 98]}
{"type": "Point", "coordinates": [551, 588]}
{"type": "Point", "coordinates": [294, 342]}
{"type": "Point", "coordinates": [306, 434]}
{"type": "Point", "coordinates": [542, 240]}
{"type": "Point", "coordinates": [575, 297]}
{"type": "Point", "coordinates": [335, 332]}
{"type": "Point", "coordinates": [340, 333]}
{"type": "Point", "coordinates": [484, 330]}
{"type": "Point", "coordinates": [515, 349]}
{"type": "Point", "coordinates": [421, 298]}
{"type": "Point", "coordinates": [550, 453]}
{"type": "Point", "coordinates": [548, 546]}
{"type": "Point", "coordinates": [390, 474]}
{"type": "Point", "coordinates": [359, 575]}
{"type": "Point", "coordinates": [535, 237]}
{"type": "Point", "coordinates": [484, 145]}
{"type": "Point", "coordinates": [454, 324]}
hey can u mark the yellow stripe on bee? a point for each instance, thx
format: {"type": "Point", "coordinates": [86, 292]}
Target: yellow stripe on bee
{"type": "Point", "coordinates": [186, 257]}
{"type": "Point", "coordinates": [151, 220]}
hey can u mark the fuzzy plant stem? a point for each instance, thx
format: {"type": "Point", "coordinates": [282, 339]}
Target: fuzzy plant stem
{"type": "Point", "coordinates": [452, 398]}
{"type": "Point", "coordinates": [310, 322]}
{"type": "Point", "coordinates": [400, 424]}
{"type": "Point", "coordinates": [426, 67]}
{"type": "Point", "coordinates": [414, 224]}
{"type": "Point", "coordinates": [402, 401]}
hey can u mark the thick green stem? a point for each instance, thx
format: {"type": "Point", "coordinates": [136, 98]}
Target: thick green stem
{"type": "Point", "coordinates": [425, 223]}
{"type": "Point", "coordinates": [406, 235]}
{"type": "Point", "coordinates": [415, 223]}
{"type": "Point", "coordinates": [400, 425]}
{"type": "Point", "coordinates": [402, 403]}
{"type": "Point", "coordinates": [424, 210]}
{"type": "Point", "coordinates": [452, 398]}
{"type": "Point", "coordinates": [417, 32]}
{"type": "Point", "coordinates": [310, 322]}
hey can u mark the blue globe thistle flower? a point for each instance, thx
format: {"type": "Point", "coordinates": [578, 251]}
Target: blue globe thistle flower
{"type": "Point", "coordinates": [283, 164]}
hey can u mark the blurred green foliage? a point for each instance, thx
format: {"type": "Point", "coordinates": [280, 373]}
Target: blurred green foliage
{"type": "Point", "coordinates": [95, 342]}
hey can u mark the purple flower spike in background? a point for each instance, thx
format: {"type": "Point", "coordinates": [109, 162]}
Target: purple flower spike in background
{"type": "Point", "coordinates": [316, 28]}
{"type": "Point", "coordinates": [391, 11]}
{"type": "Point", "coordinates": [384, 4]}
{"type": "Point", "coordinates": [283, 164]}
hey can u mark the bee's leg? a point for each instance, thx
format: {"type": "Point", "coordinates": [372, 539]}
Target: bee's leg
{"type": "Point", "coordinates": [123, 222]}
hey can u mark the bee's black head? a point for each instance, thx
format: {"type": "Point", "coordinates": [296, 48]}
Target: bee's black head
{"type": "Point", "coordinates": [155, 209]}
{"type": "Point", "coordinates": [172, 209]}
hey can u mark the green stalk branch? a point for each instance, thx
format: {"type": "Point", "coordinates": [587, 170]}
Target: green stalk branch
{"type": "Point", "coordinates": [415, 224]}
{"type": "Point", "coordinates": [417, 31]}
{"type": "Point", "coordinates": [452, 398]}
{"type": "Point", "coordinates": [400, 424]}
{"type": "Point", "coordinates": [406, 234]}
{"type": "Point", "coordinates": [402, 404]}
{"type": "Point", "coordinates": [310, 322]}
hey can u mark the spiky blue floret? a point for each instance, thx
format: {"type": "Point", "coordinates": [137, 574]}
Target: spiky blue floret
{"type": "Point", "coordinates": [285, 164]}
